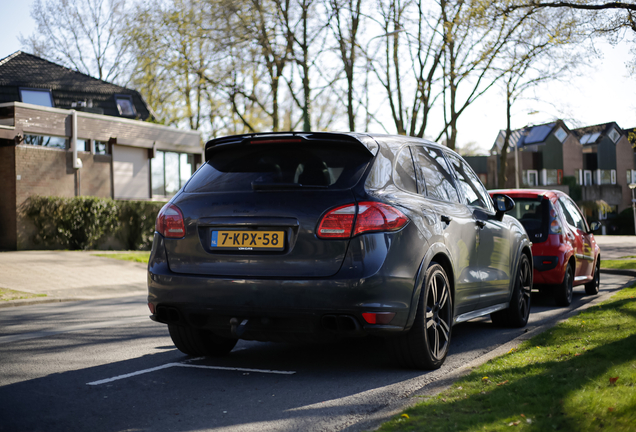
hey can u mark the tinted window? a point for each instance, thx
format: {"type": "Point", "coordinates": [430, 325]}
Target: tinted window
{"type": "Point", "coordinates": [404, 174]}
{"type": "Point", "coordinates": [534, 215]}
{"type": "Point", "coordinates": [474, 192]}
{"type": "Point", "coordinates": [238, 168]}
{"type": "Point", "coordinates": [572, 214]}
{"type": "Point", "coordinates": [434, 173]}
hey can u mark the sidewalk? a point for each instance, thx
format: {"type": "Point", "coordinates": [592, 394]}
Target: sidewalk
{"type": "Point", "coordinates": [615, 247]}
{"type": "Point", "coordinates": [66, 276]}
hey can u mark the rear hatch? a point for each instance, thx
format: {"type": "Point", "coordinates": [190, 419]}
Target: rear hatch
{"type": "Point", "coordinates": [534, 215]}
{"type": "Point", "coordinates": [253, 207]}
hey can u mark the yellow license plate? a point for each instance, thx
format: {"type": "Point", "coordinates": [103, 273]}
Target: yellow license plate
{"type": "Point", "coordinates": [248, 240]}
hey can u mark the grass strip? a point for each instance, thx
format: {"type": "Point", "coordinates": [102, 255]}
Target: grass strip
{"type": "Point", "coordinates": [577, 376]}
{"type": "Point", "coordinates": [135, 256]}
{"type": "Point", "coordinates": [7, 294]}
{"type": "Point", "coordinates": [624, 264]}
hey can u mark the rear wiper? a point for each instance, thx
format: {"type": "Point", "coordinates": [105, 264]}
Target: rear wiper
{"type": "Point", "coordinates": [284, 186]}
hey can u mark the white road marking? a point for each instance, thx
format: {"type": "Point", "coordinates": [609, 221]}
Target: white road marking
{"type": "Point", "coordinates": [169, 365]}
{"type": "Point", "coordinates": [88, 326]}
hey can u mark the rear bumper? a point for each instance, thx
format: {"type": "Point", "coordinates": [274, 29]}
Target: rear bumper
{"type": "Point", "coordinates": [270, 308]}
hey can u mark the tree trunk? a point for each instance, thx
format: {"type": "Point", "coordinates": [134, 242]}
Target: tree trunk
{"type": "Point", "coordinates": [503, 157]}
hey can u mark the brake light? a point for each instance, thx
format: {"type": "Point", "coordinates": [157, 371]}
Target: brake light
{"type": "Point", "coordinates": [368, 217]}
{"type": "Point", "coordinates": [170, 222]}
{"type": "Point", "coordinates": [555, 226]}
{"type": "Point", "coordinates": [374, 216]}
{"type": "Point", "coordinates": [337, 223]}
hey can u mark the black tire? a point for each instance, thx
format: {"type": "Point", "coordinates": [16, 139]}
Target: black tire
{"type": "Point", "coordinates": [197, 342]}
{"type": "Point", "coordinates": [592, 287]}
{"type": "Point", "coordinates": [518, 312]}
{"type": "Point", "coordinates": [563, 292]}
{"type": "Point", "coordinates": [426, 344]}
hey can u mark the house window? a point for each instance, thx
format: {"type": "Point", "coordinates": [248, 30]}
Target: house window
{"type": "Point", "coordinates": [170, 172]}
{"type": "Point", "coordinates": [101, 147]}
{"type": "Point", "coordinates": [552, 176]}
{"type": "Point", "coordinates": [36, 97]}
{"type": "Point", "coordinates": [614, 135]}
{"type": "Point", "coordinates": [613, 176]}
{"type": "Point", "coordinates": [587, 178]}
{"type": "Point", "coordinates": [532, 178]}
{"type": "Point", "coordinates": [631, 176]}
{"type": "Point", "coordinates": [45, 141]}
{"type": "Point", "coordinates": [605, 177]}
{"type": "Point", "coordinates": [561, 134]}
{"type": "Point", "coordinates": [82, 145]}
{"type": "Point", "coordinates": [125, 105]}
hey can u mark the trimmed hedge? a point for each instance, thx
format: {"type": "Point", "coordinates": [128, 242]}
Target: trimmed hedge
{"type": "Point", "coordinates": [81, 222]}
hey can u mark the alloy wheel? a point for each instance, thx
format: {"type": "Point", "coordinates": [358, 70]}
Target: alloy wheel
{"type": "Point", "coordinates": [525, 287]}
{"type": "Point", "coordinates": [438, 316]}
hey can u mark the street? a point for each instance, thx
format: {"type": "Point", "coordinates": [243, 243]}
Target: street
{"type": "Point", "coordinates": [102, 365]}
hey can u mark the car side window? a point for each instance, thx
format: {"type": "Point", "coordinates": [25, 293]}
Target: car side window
{"type": "Point", "coordinates": [434, 172]}
{"type": "Point", "coordinates": [566, 214]}
{"type": "Point", "coordinates": [576, 216]}
{"type": "Point", "coordinates": [404, 172]}
{"type": "Point", "coordinates": [474, 192]}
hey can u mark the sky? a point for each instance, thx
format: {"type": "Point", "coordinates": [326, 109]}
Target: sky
{"type": "Point", "coordinates": [604, 93]}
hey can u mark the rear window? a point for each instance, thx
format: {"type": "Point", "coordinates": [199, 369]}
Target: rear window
{"type": "Point", "coordinates": [534, 215]}
{"type": "Point", "coordinates": [275, 166]}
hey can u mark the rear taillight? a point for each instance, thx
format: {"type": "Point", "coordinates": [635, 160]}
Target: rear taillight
{"type": "Point", "coordinates": [555, 226]}
{"type": "Point", "coordinates": [170, 222]}
{"type": "Point", "coordinates": [374, 216]}
{"type": "Point", "coordinates": [338, 222]}
{"type": "Point", "coordinates": [368, 217]}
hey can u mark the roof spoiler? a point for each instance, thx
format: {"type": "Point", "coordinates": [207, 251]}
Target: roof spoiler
{"type": "Point", "coordinates": [290, 138]}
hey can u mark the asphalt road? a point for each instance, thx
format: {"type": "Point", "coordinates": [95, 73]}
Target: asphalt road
{"type": "Point", "coordinates": [102, 365]}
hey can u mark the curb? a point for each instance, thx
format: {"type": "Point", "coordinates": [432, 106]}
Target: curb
{"type": "Point", "coordinates": [34, 301]}
{"type": "Point", "coordinates": [620, 272]}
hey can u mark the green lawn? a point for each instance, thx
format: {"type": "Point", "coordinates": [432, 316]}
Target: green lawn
{"type": "Point", "coordinates": [623, 264]}
{"type": "Point", "coordinates": [578, 376]}
{"type": "Point", "coordinates": [7, 294]}
{"type": "Point", "coordinates": [136, 256]}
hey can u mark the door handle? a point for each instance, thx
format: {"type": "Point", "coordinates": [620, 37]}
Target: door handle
{"type": "Point", "coordinates": [446, 219]}
{"type": "Point", "coordinates": [480, 224]}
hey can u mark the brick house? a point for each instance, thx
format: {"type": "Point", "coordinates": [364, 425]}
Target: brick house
{"type": "Point", "coordinates": [63, 133]}
{"type": "Point", "coordinates": [608, 164]}
{"type": "Point", "coordinates": [599, 158]}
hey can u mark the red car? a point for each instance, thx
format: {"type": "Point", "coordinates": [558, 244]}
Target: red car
{"type": "Point", "coordinates": [564, 251]}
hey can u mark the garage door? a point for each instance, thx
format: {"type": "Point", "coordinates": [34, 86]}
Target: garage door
{"type": "Point", "coordinates": [131, 172]}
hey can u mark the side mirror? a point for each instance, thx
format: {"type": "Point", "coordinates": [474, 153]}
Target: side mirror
{"type": "Point", "coordinates": [594, 226]}
{"type": "Point", "coordinates": [503, 203]}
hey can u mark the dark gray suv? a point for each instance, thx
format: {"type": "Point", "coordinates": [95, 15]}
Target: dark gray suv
{"type": "Point", "coordinates": [288, 236]}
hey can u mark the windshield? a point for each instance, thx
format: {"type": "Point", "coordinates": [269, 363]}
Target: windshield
{"type": "Point", "coordinates": [275, 166]}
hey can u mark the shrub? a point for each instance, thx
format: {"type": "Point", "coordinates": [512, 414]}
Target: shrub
{"type": "Point", "coordinates": [136, 223]}
{"type": "Point", "coordinates": [81, 222]}
{"type": "Point", "coordinates": [75, 223]}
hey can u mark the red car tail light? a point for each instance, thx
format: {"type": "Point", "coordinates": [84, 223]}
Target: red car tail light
{"type": "Point", "coordinates": [170, 222]}
{"type": "Point", "coordinates": [368, 217]}
{"type": "Point", "coordinates": [555, 226]}
{"type": "Point", "coordinates": [378, 317]}
{"type": "Point", "coordinates": [375, 216]}
{"type": "Point", "coordinates": [337, 223]}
